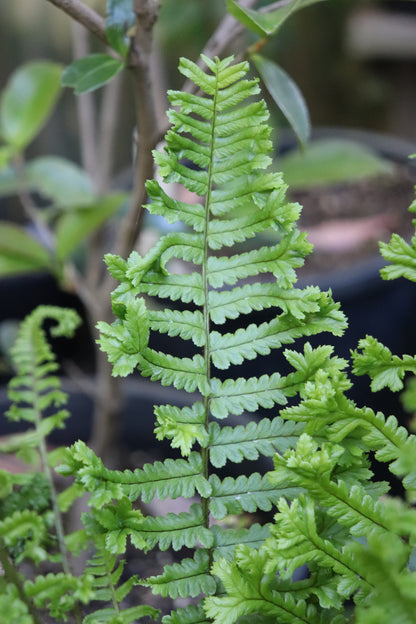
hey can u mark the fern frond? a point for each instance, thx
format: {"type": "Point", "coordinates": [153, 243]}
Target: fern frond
{"type": "Point", "coordinates": [384, 368]}
{"type": "Point", "coordinates": [226, 540]}
{"type": "Point", "coordinates": [296, 541]}
{"type": "Point", "coordinates": [25, 533]}
{"type": "Point", "coordinates": [192, 614]}
{"type": "Point", "coordinates": [229, 304]}
{"type": "Point", "coordinates": [219, 148]}
{"type": "Point", "coordinates": [401, 255]}
{"type": "Point", "coordinates": [257, 438]}
{"type": "Point", "coordinates": [171, 478]}
{"type": "Point", "coordinates": [232, 496]}
{"type": "Point", "coordinates": [191, 577]}
{"type": "Point", "coordinates": [10, 603]}
{"type": "Point", "coordinates": [59, 593]}
{"type": "Point", "coordinates": [340, 420]}
{"type": "Point", "coordinates": [310, 468]}
{"type": "Point", "coordinates": [177, 530]}
{"type": "Point", "coordinates": [248, 594]}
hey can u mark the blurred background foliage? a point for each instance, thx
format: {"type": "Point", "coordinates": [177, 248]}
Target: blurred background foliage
{"type": "Point", "coordinates": [342, 86]}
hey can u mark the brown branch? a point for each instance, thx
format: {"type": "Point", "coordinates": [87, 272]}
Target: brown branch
{"type": "Point", "coordinates": [83, 14]}
{"type": "Point", "coordinates": [140, 66]}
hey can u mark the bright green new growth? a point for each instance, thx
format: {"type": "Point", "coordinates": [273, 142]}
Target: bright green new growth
{"type": "Point", "coordinates": [218, 148]}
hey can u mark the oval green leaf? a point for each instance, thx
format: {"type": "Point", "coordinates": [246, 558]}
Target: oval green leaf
{"type": "Point", "coordinates": [91, 72]}
{"type": "Point", "coordinates": [74, 226]}
{"type": "Point", "coordinates": [60, 180]}
{"type": "Point", "coordinates": [27, 101]}
{"type": "Point", "coordinates": [331, 161]}
{"type": "Point", "coordinates": [287, 96]}
{"type": "Point", "coordinates": [263, 23]}
{"type": "Point", "coordinates": [120, 17]}
{"type": "Point", "coordinates": [19, 252]}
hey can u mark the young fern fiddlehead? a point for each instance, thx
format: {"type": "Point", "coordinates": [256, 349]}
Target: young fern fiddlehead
{"type": "Point", "coordinates": [29, 506]}
{"type": "Point", "coordinates": [224, 136]}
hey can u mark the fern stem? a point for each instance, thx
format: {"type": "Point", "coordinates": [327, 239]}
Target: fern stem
{"type": "Point", "coordinates": [43, 452]}
{"type": "Point", "coordinates": [12, 575]}
{"type": "Point", "coordinates": [110, 581]}
{"type": "Point", "coordinates": [207, 346]}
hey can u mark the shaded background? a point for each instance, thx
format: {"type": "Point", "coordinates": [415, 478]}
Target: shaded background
{"type": "Point", "coordinates": [354, 61]}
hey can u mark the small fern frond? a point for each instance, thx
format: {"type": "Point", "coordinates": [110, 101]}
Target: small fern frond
{"type": "Point", "coordinates": [310, 468]}
{"type": "Point", "coordinates": [59, 593]}
{"type": "Point", "coordinates": [11, 603]}
{"type": "Point", "coordinates": [402, 255]}
{"type": "Point", "coordinates": [177, 530]}
{"type": "Point", "coordinates": [384, 368]}
{"type": "Point", "coordinates": [25, 533]}
{"type": "Point", "coordinates": [171, 478]}
{"type": "Point", "coordinates": [232, 496]}
{"type": "Point", "coordinates": [257, 438]}
{"type": "Point", "coordinates": [226, 540]}
{"type": "Point", "coordinates": [191, 577]}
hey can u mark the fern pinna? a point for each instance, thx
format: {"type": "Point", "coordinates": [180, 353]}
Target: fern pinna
{"type": "Point", "coordinates": [218, 148]}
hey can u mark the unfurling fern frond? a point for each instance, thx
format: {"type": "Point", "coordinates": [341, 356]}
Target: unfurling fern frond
{"type": "Point", "coordinates": [218, 148]}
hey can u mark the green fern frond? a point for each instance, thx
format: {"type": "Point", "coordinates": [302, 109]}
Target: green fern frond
{"type": "Point", "coordinates": [340, 420]}
{"type": "Point", "coordinates": [232, 496]}
{"type": "Point", "coordinates": [59, 593]}
{"type": "Point", "coordinates": [384, 368]}
{"type": "Point", "coordinates": [308, 467]}
{"type": "Point", "coordinates": [257, 438]}
{"type": "Point", "coordinates": [191, 577]}
{"type": "Point", "coordinates": [192, 614]}
{"type": "Point", "coordinates": [177, 530]}
{"type": "Point", "coordinates": [11, 603]}
{"type": "Point", "coordinates": [171, 478]}
{"type": "Point", "coordinates": [218, 148]}
{"type": "Point", "coordinates": [25, 533]}
{"type": "Point", "coordinates": [402, 256]}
